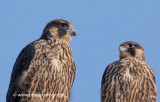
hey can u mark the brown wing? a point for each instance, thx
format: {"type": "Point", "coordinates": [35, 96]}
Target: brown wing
{"type": "Point", "coordinates": [108, 89]}
{"type": "Point", "coordinates": [22, 63]}
{"type": "Point", "coordinates": [149, 87]}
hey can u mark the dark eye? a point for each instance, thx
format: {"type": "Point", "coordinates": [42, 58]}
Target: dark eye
{"type": "Point", "coordinates": [63, 25]}
{"type": "Point", "coordinates": [130, 45]}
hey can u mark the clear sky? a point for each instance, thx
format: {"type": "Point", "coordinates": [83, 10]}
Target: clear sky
{"type": "Point", "coordinates": [102, 25]}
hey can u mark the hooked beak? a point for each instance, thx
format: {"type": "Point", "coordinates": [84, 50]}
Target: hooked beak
{"type": "Point", "coordinates": [72, 31]}
{"type": "Point", "coordinates": [122, 48]}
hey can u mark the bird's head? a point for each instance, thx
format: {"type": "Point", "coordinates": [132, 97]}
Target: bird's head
{"type": "Point", "coordinates": [59, 29]}
{"type": "Point", "coordinates": [131, 49]}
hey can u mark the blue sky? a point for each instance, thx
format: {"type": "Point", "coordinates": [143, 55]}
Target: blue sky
{"type": "Point", "coordinates": [102, 25]}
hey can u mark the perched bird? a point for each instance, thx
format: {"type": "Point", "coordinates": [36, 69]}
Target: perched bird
{"type": "Point", "coordinates": [129, 79]}
{"type": "Point", "coordinates": [45, 70]}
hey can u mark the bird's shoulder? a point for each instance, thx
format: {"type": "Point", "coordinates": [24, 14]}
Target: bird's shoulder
{"type": "Point", "coordinates": [29, 50]}
{"type": "Point", "coordinates": [128, 68]}
{"type": "Point", "coordinates": [24, 58]}
{"type": "Point", "coordinates": [112, 66]}
{"type": "Point", "coordinates": [108, 71]}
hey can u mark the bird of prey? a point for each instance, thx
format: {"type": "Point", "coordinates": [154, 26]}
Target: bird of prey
{"type": "Point", "coordinates": [45, 70]}
{"type": "Point", "coordinates": [129, 79]}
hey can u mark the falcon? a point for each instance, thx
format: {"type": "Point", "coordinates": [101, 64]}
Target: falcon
{"type": "Point", "coordinates": [45, 70]}
{"type": "Point", "coordinates": [129, 79]}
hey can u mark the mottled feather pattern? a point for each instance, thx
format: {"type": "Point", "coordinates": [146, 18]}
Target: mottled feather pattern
{"type": "Point", "coordinates": [128, 80]}
{"type": "Point", "coordinates": [39, 77]}
{"type": "Point", "coordinates": [45, 67]}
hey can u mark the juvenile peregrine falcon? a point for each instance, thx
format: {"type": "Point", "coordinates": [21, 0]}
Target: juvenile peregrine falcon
{"type": "Point", "coordinates": [45, 70]}
{"type": "Point", "coordinates": [130, 79]}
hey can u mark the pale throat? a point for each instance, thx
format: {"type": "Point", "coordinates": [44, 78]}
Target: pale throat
{"type": "Point", "coordinates": [65, 38]}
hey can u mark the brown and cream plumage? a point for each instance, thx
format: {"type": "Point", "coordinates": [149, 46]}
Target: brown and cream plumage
{"type": "Point", "coordinates": [130, 79]}
{"type": "Point", "coordinates": [45, 66]}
